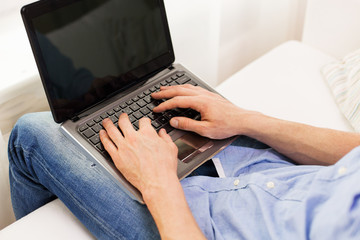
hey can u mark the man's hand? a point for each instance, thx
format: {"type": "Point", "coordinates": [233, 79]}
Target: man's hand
{"type": "Point", "coordinates": [145, 158]}
{"type": "Point", "coordinates": [148, 160]}
{"type": "Point", "coordinates": [219, 118]}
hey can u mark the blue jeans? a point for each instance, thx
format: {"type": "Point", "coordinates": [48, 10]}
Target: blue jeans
{"type": "Point", "coordinates": [44, 165]}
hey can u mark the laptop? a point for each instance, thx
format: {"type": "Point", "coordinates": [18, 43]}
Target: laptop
{"type": "Point", "coordinates": [100, 58]}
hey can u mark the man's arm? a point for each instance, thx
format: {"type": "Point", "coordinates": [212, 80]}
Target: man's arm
{"type": "Point", "coordinates": [221, 119]}
{"type": "Point", "coordinates": [148, 160]}
{"type": "Point", "coordinates": [302, 143]}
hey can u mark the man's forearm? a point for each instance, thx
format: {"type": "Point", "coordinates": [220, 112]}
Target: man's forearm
{"type": "Point", "coordinates": [302, 143]}
{"type": "Point", "coordinates": [171, 212]}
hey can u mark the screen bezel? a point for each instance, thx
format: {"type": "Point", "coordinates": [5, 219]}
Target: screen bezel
{"type": "Point", "coordinates": [140, 73]}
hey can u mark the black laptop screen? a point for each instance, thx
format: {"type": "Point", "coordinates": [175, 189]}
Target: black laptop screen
{"type": "Point", "coordinates": [89, 49]}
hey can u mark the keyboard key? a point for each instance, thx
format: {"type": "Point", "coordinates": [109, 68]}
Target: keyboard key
{"type": "Point", "coordinates": [83, 127]}
{"type": "Point", "coordinates": [104, 116]}
{"type": "Point", "coordinates": [169, 114]}
{"type": "Point", "coordinates": [114, 119]}
{"type": "Point", "coordinates": [147, 92]}
{"type": "Point", "coordinates": [136, 125]}
{"type": "Point", "coordinates": [141, 103]}
{"type": "Point", "coordinates": [111, 112]}
{"type": "Point", "coordinates": [135, 99]}
{"type": "Point", "coordinates": [162, 120]}
{"type": "Point", "coordinates": [152, 116]}
{"type": "Point", "coordinates": [129, 102]}
{"type": "Point", "coordinates": [152, 89]}
{"type": "Point", "coordinates": [123, 105]}
{"type": "Point", "coordinates": [128, 111]}
{"type": "Point", "coordinates": [145, 111]}
{"type": "Point", "coordinates": [88, 133]}
{"type": "Point", "coordinates": [193, 83]}
{"type": "Point", "coordinates": [183, 80]}
{"type": "Point", "coordinates": [191, 113]}
{"type": "Point", "coordinates": [90, 123]}
{"type": "Point", "coordinates": [97, 128]}
{"type": "Point", "coordinates": [97, 119]}
{"type": "Point", "coordinates": [100, 147]}
{"type": "Point", "coordinates": [95, 139]}
{"type": "Point", "coordinates": [141, 95]}
{"type": "Point", "coordinates": [158, 102]}
{"type": "Point", "coordinates": [134, 107]}
{"type": "Point", "coordinates": [117, 109]}
{"type": "Point", "coordinates": [180, 74]}
{"type": "Point", "coordinates": [138, 115]}
{"type": "Point", "coordinates": [151, 106]}
{"type": "Point", "coordinates": [148, 99]}
{"type": "Point", "coordinates": [118, 114]}
{"type": "Point", "coordinates": [155, 124]}
{"type": "Point", "coordinates": [132, 118]}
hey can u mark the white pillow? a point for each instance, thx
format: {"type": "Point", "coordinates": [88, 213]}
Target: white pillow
{"type": "Point", "coordinates": [343, 78]}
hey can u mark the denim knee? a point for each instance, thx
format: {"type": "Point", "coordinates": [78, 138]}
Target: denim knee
{"type": "Point", "coordinates": [28, 129]}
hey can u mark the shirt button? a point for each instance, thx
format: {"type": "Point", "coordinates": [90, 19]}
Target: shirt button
{"type": "Point", "coordinates": [236, 182]}
{"type": "Point", "coordinates": [342, 170]}
{"type": "Point", "coordinates": [270, 184]}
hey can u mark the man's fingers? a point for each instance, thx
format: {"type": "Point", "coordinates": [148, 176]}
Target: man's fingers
{"type": "Point", "coordinates": [188, 124]}
{"type": "Point", "coordinates": [112, 131]}
{"type": "Point", "coordinates": [163, 134]}
{"type": "Point", "coordinates": [167, 92]}
{"type": "Point", "coordinates": [125, 125]}
{"type": "Point", "coordinates": [145, 126]}
{"type": "Point", "coordinates": [179, 102]}
{"type": "Point", "coordinates": [108, 143]}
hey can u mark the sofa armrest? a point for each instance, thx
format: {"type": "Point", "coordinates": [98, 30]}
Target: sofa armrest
{"type": "Point", "coordinates": [52, 221]}
{"type": "Point", "coordinates": [23, 97]}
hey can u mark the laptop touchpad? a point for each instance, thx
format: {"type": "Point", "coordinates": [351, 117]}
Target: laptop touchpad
{"type": "Point", "coordinates": [190, 145]}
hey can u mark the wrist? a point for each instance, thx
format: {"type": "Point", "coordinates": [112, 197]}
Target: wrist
{"type": "Point", "coordinates": [249, 123]}
{"type": "Point", "coordinates": [157, 191]}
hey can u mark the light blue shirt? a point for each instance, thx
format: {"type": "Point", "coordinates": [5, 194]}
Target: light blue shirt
{"type": "Point", "coordinates": [266, 197]}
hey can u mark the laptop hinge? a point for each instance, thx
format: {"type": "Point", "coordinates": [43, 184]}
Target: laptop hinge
{"type": "Point", "coordinates": [76, 118]}
{"type": "Point", "coordinates": [171, 67]}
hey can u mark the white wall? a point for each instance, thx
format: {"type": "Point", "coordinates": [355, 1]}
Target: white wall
{"type": "Point", "coordinates": [217, 38]}
{"type": "Point", "coordinates": [249, 28]}
{"type": "Point", "coordinates": [195, 27]}
{"type": "Point", "coordinates": [333, 26]}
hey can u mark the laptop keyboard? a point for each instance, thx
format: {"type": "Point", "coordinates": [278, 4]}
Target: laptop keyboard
{"type": "Point", "coordinates": [138, 107]}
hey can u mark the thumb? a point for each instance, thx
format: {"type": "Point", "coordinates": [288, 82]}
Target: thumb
{"type": "Point", "coordinates": [186, 124]}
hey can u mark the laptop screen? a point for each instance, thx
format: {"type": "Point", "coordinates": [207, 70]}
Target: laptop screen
{"type": "Point", "coordinates": [88, 50]}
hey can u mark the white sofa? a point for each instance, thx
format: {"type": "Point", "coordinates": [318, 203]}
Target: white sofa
{"type": "Point", "coordinates": [286, 83]}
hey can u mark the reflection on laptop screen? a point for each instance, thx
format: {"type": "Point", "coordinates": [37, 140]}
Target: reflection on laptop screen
{"type": "Point", "coordinates": [92, 48]}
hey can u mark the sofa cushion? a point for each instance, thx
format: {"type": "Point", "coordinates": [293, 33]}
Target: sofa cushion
{"type": "Point", "coordinates": [343, 78]}
{"type": "Point", "coordinates": [287, 83]}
